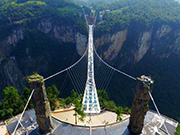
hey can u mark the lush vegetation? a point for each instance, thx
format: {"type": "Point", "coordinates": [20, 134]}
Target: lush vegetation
{"type": "Point", "coordinates": [177, 130]}
{"type": "Point", "coordinates": [13, 103]}
{"type": "Point", "coordinates": [24, 12]}
{"type": "Point", "coordinates": [76, 100]}
{"type": "Point", "coordinates": [146, 12]}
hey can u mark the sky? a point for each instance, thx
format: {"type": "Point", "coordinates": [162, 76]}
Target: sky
{"type": "Point", "coordinates": [178, 1]}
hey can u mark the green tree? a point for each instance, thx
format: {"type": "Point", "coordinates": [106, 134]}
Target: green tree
{"type": "Point", "coordinates": [126, 109]}
{"type": "Point", "coordinates": [12, 100]}
{"type": "Point", "coordinates": [73, 95]}
{"type": "Point", "coordinates": [12, 103]}
{"type": "Point", "coordinates": [68, 101]}
{"type": "Point", "coordinates": [103, 97]}
{"type": "Point", "coordinates": [6, 113]}
{"type": "Point", "coordinates": [25, 96]}
{"type": "Point", "coordinates": [177, 130]}
{"type": "Point", "coordinates": [119, 110]}
{"type": "Point", "coordinates": [62, 102]}
{"type": "Point", "coordinates": [78, 110]}
{"type": "Point", "coordinates": [52, 94]}
{"type": "Point", "coordinates": [110, 105]}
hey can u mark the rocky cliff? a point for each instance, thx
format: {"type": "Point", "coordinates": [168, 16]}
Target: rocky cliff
{"type": "Point", "coordinates": [129, 44]}
{"type": "Point", "coordinates": [160, 41]}
{"type": "Point", "coordinates": [14, 46]}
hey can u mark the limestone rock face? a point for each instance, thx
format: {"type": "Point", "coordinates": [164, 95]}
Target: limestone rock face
{"type": "Point", "coordinates": [16, 36]}
{"type": "Point", "coordinates": [140, 104]}
{"type": "Point", "coordinates": [11, 74]}
{"type": "Point", "coordinates": [45, 26]}
{"type": "Point", "coordinates": [41, 104]}
{"type": "Point", "coordinates": [143, 45]}
{"type": "Point", "coordinates": [81, 43]}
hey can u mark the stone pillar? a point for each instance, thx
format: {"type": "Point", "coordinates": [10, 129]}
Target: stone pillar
{"type": "Point", "coordinates": [41, 103]}
{"type": "Point", "coordinates": [140, 104]}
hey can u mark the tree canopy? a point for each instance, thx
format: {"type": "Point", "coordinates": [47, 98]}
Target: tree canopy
{"type": "Point", "coordinates": [13, 103]}
{"type": "Point", "coordinates": [119, 14]}
{"type": "Point", "coordinates": [177, 130]}
{"type": "Point", "coordinates": [25, 12]}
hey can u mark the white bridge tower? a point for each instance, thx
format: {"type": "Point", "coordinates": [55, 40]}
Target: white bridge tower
{"type": "Point", "coordinates": [90, 99]}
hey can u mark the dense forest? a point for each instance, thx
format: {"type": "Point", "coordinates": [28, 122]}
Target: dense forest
{"type": "Point", "coordinates": [25, 12]}
{"type": "Point", "coordinates": [123, 12]}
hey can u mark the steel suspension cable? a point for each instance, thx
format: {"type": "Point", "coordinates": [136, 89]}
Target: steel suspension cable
{"type": "Point", "coordinates": [113, 67]}
{"type": "Point", "coordinates": [78, 84]}
{"type": "Point", "coordinates": [66, 68]}
{"type": "Point", "coordinates": [105, 71]}
{"type": "Point", "coordinates": [23, 112]}
{"type": "Point", "coordinates": [80, 77]}
{"type": "Point", "coordinates": [101, 80]}
{"type": "Point", "coordinates": [75, 88]}
{"type": "Point", "coordinates": [104, 77]}
{"type": "Point", "coordinates": [158, 111]}
{"type": "Point", "coordinates": [86, 20]}
{"type": "Point", "coordinates": [109, 80]}
{"type": "Point", "coordinates": [95, 19]}
{"type": "Point", "coordinates": [81, 74]}
{"type": "Point", "coordinates": [66, 77]}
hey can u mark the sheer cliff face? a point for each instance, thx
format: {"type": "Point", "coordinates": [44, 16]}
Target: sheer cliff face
{"type": "Point", "coordinates": [130, 44]}
{"type": "Point", "coordinates": [160, 41]}
{"type": "Point", "coordinates": [18, 59]}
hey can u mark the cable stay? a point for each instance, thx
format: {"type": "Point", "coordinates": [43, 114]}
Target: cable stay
{"type": "Point", "coordinates": [95, 19]}
{"type": "Point", "coordinates": [158, 111]}
{"type": "Point", "coordinates": [103, 75]}
{"type": "Point", "coordinates": [77, 75]}
{"type": "Point", "coordinates": [23, 113]}
{"type": "Point", "coordinates": [87, 24]}
{"type": "Point", "coordinates": [66, 68]}
{"type": "Point", "coordinates": [113, 67]}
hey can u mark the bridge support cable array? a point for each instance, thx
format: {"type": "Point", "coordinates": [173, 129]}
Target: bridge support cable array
{"type": "Point", "coordinates": [76, 81]}
{"type": "Point", "coordinates": [110, 77]}
{"type": "Point", "coordinates": [87, 24]}
{"type": "Point", "coordinates": [67, 75]}
{"type": "Point", "coordinates": [113, 67]}
{"type": "Point", "coordinates": [81, 74]}
{"type": "Point", "coordinates": [73, 82]}
{"type": "Point", "coordinates": [102, 82]}
{"type": "Point", "coordinates": [158, 112]}
{"type": "Point", "coordinates": [23, 113]}
{"type": "Point", "coordinates": [66, 68]}
{"type": "Point", "coordinates": [95, 19]}
{"type": "Point", "coordinates": [77, 75]}
{"type": "Point", "coordinates": [102, 74]}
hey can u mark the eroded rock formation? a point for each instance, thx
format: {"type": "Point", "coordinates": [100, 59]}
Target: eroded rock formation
{"type": "Point", "coordinates": [140, 104]}
{"type": "Point", "coordinates": [41, 103]}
